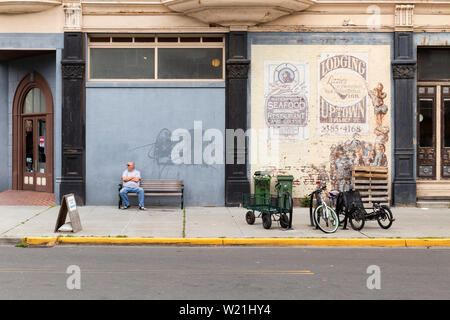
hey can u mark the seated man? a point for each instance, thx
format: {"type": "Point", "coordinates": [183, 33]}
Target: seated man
{"type": "Point", "coordinates": [131, 179]}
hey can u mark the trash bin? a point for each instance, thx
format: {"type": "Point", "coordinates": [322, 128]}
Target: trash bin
{"type": "Point", "coordinates": [262, 187]}
{"type": "Point", "coordinates": [284, 184]}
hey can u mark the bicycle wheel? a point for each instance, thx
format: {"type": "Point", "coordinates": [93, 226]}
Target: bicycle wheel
{"type": "Point", "coordinates": [385, 218]}
{"type": "Point", "coordinates": [288, 201]}
{"type": "Point", "coordinates": [341, 215]}
{"type": "Point", "coordinates": [357, 221]}
{"type": "Point", "coordinates": [284, 221]}
{"type": "Point", "coordinates": [311, 210]}
{"type": "Point", "coordinates": [326, 219]}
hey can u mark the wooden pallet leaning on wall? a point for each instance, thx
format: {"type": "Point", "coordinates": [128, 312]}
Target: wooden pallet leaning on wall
{"type": "Point", "coordinates": [372, 183]}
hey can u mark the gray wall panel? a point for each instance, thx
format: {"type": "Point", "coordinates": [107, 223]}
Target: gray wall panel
{"type": "Point", "coordinates": [123, 124]}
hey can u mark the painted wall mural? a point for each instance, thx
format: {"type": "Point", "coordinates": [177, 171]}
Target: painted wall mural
{"type": "Point", "coordinates": [287, 100]}
{"type": "Point", "coordinates": [357, 152]}
{"type": "Point", "coordinates": [159, 153]}
{"type": "Point", "coordinates": [346, 123]}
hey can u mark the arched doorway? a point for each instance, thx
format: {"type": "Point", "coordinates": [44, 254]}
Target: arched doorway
{"type": "Point", "coordinates": [33, 135]}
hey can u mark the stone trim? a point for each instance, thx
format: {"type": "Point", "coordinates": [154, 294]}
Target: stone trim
{"type": "Point", "coordinates": [404, 14]}
{"type": "Point", "coordinates": [73, 16]}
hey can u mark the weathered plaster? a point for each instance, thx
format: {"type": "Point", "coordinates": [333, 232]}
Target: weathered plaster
{"type": "Point", "coordinates": [309, 159]}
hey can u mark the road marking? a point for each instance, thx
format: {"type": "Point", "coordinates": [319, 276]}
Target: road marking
{"type": "Point", "coordinates": [188, 272]}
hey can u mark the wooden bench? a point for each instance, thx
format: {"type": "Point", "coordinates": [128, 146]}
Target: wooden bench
{"type": "Point", "coordinates": [160, 188]}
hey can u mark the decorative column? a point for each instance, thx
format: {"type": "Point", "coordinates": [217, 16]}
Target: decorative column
{"type": "Point", "coordinates": [236, 181]}
{"type": "Point", "coordinates": [73, 105]}
{"type": "Point", "coordinates": [404, 71]}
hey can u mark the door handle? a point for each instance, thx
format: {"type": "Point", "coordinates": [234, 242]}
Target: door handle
{"type": "Point", "coordinates": [35, 165]}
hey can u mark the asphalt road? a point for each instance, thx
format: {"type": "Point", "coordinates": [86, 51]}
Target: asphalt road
{"type": "Point", "coordinates": [223, 273]}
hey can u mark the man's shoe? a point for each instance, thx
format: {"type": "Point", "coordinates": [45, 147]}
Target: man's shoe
{"type": "Point", "coordinates": [125, 208]}
{"type": "Point", "coordinates": [142, 208]}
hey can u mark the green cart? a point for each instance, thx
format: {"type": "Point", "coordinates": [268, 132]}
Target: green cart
{"type": "Point", "coordinates": [269, 208]}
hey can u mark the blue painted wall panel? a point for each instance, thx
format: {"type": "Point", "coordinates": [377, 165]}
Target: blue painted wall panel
{"type": "Point", "coordinates": [124, 123]}
{"type": "Point", "coordinates": [31, 40]}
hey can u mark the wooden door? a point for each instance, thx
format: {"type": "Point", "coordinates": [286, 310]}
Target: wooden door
{"type": "Point", "coordinates": [426, 133]}
{"type": "Point", "coordinates": [33, 135]}
{"type": "Point", "coordinates": [35, 151]}
{"type": "Point", "coordinates": [445, 132]}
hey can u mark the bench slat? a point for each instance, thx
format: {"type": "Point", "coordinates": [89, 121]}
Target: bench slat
{"type": "Point", "coordinates": [162, 189]}
{"type": "Point", "coordinates": [159, 194]}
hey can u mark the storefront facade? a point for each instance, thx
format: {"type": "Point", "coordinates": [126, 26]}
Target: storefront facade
{"type": "Point", "coordinates": [318, 86]}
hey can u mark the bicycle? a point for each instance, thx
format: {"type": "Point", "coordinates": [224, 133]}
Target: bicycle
{"type": "Point", "coordinates": [351, 208]}
{"type": "Point", "coordinates": [324, 216]}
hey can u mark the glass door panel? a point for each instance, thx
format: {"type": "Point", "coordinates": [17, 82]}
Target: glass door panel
{"type": "Point", "coordinates": [29, 144]}
{"type": "Point", "coordinates": [426, 133]}
{"type": "Point", "coordinates": [28, 154]}
{"type": "Point", "coordinates": [41, 154]}
{"type": "Point", "coordinates": [41, 146]}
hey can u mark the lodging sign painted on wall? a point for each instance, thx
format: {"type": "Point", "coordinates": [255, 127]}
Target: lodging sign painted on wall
{"type": "Point", "coordinates": [342, 93]}
{"type": "Point", "coordinates": [287, 100]}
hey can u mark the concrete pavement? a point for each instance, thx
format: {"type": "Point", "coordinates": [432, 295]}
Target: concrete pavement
{"type": "Point", "coordinates": [202, 222]}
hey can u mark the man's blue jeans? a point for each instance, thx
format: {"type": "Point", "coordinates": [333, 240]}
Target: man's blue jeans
{"type": "Point", "coordinates": [124, 195]}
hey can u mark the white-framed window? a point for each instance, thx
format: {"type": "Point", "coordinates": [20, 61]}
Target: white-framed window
{"type": "Point", "coordinates": [156, 58]}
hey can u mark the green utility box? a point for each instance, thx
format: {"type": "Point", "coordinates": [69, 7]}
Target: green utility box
{"type": "Point", "coordinates": [284, 185]}
{"type": "Point", "coordinates": [262, 186]}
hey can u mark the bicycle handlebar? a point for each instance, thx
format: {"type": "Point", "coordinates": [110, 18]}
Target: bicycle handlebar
{"type": "Point", "coordinates": [318, 190]}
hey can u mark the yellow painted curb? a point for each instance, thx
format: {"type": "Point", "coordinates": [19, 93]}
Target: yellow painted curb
{"type": "Point", "coordinates": [328, 242]}
{"type": "Point", "coordinates": [310, 242]}
{"type": "Point", "coordinates": [39, 240]}
{"type": "Point", "coordinates": [132, 241]}
{"type": "Point", "coordinates": [428, 242]}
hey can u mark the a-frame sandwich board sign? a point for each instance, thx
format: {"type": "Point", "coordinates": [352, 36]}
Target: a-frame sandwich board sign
{"type": "Point", "coordinates": [69, 205]}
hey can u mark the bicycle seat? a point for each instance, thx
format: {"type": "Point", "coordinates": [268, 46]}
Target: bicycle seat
{"type": "Point", "coordinates": [333, 193]}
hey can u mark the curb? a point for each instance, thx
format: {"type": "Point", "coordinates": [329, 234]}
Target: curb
{"type": "Point", "coordinates": [278, 242]}
{"type": "Point", "coordinates": [10, 241]}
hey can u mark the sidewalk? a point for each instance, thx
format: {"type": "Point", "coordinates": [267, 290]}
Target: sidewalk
{"type": "Point", "coordinates": [208, 222]}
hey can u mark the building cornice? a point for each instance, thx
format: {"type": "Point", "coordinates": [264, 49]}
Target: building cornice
{"type": "Point", "coordinates": [27, 6]}
{"type": "Point", "coordinates": [224, 15]}
{"type": "Point", "coordinates": [237, 13]}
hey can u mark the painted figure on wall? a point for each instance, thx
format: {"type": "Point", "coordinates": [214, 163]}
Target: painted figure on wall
{"type": "Point", "coordinates": [377, 96]}
{"type": "Point", "coordinates": [357, 152]}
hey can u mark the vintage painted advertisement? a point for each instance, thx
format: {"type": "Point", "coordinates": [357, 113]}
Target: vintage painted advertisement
{"type": "Point", "coordinates": [343, 94]}
{"type": "Point", "coordinates": [348, 118]}
{"type": "Point", "coordinates": [287, 100]}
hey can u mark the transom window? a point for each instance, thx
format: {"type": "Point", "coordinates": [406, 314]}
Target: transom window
{"type": "Point", "coordinates": [34, 102]}
{"type": "Point", "coordinates": [156, 57]}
